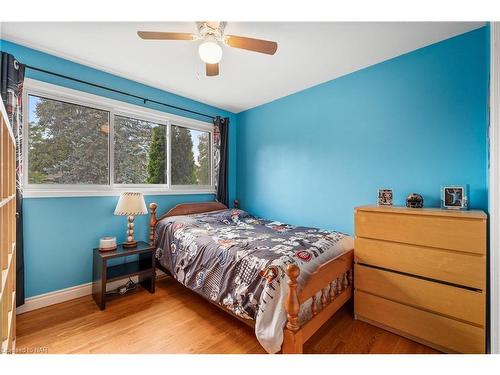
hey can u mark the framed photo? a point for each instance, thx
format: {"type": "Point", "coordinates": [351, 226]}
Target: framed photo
{"type": "Point", "coordinates": [454, 197]}
{"type": "Point", "coordinates": [384, 197]}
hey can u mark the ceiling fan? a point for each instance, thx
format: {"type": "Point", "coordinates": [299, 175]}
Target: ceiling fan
{"type": "Point", "coordinates": [212, 36]}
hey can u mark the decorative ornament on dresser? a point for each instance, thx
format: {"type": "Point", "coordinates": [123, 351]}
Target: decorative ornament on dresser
{"type": "Point", "coordinates": [384, 197]}
{"type": "Point", "coordinates": [414, 200]}
{"type": "Point", "coordinates": [454, 197]}
{"type": "Point", "coordinates": [131, 204]}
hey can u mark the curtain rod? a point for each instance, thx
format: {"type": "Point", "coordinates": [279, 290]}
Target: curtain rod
{"type": "Point", "coordinates": [145, 100]}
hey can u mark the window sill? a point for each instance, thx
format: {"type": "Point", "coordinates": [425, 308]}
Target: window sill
{"type": "Point", "coordinates": [109, 193]}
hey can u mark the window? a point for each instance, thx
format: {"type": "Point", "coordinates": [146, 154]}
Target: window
{"type": "Point", "coordinates": [140, 151]}
{"type": "Point", "coordinates": [81, 144]}
{"type": "Point", "coordinates": [67, 143]}
{"type": "Point", "coordinates": [190, 156]}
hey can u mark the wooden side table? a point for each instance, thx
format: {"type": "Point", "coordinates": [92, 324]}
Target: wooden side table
{"type": "Point", "coordinates": [144, 267]}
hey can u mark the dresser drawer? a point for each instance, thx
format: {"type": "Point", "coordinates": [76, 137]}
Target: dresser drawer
{"type": "Point", "coordinates": [435, 297]}
{"type": "Point", "coordinates": [446, 334]}
{"type": "Point", "coordinates": [445, 232]}
{"type": "Point", "coordinates": [454, 267]}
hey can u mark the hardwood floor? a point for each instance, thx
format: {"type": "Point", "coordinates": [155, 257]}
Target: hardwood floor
{"type": "Point", "coordinates": [176, 320]}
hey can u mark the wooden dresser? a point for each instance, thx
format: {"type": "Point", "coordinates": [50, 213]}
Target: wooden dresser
{"type": "Point", "coordinates": [421, 273]}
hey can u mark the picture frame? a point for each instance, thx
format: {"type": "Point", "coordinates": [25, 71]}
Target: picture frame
{"type": "Point", "coordinates": [384, 197]}
{"type": "Point", "coordinates": [454, 197]}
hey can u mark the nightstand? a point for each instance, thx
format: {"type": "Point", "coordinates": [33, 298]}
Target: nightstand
{"type": "Point", "coordinates": [103, 273]}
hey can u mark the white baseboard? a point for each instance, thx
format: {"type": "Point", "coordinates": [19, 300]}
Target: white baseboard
{"type": "Point", "coordinates": [63, 295]}
{"type": "Point", "coordinates": [51, 298]}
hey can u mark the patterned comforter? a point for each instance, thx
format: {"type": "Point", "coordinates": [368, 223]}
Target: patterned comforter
{"type": "Point", "coordinates": [239, 262]}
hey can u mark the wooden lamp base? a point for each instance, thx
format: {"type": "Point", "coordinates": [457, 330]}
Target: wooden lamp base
{"type": "Point", "coordinates": [131, 242]}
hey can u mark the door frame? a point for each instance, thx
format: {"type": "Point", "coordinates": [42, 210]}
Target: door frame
{"type": "Point", "coordinates": [494, 188]}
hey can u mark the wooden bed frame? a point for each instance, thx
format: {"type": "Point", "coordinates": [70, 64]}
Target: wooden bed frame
{"type": "Point", "coordinates": [337, 273]}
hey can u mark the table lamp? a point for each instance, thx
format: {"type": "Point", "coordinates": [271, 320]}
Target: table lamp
{"type": "Point", "coordinates": [131, 204]}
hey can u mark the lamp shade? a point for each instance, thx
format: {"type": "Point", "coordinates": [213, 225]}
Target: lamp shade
{"type": "Point", "coordinates": [131, 204]}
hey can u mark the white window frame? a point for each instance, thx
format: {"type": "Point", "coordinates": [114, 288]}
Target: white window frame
{"type": "Point", "coordinates": [119, 108]}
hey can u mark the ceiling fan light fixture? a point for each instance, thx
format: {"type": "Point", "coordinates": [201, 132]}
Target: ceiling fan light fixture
{"type": "Point", "coordinates": [211, 36]}
{"type": "Point", "coordinates": [210, 52]}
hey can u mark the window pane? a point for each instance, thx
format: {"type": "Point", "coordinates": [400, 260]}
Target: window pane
{"type": "Point", "coordinates": [67, 143]}
{"type": "Point", "coordinates": [139, 151]}
{"type": "Point", "coordinates": [190, 156]}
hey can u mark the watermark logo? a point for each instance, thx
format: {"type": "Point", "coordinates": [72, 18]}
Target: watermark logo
{"type": "Point", "coordinates": [27, 350]}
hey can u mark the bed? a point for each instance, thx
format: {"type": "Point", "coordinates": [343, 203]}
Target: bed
{"type": "Point", "coordinates": [282, 280]}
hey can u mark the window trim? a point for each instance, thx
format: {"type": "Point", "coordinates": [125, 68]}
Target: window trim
{"type": "Point", "coordinates": [119, 108]}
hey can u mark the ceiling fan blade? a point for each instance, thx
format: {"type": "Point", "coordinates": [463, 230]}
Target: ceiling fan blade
{"type": "Point", "coordinates": [212, 70]}
{"type": "Point", "coordinates": [157, 35]}
{"type": "Point", "coordinates": [251, 44]}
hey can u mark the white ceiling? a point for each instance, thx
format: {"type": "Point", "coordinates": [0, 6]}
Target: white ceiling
{"type": "Point", "coordinates": [308, 54]}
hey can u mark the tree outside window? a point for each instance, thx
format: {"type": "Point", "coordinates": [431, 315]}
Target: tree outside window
{"type": "Point", "coordinates": [68, 144]}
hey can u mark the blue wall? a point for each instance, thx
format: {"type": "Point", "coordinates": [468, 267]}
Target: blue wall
{"type": "Point", "coordinates": [412, 123]}
{"type": "Point", "coordinates": [59, 233]}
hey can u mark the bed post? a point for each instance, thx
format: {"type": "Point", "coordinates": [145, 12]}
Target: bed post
{"type": "Point", "coordinates": [292, 336]}
{"type": "Point", "coordinates": [152, 222]}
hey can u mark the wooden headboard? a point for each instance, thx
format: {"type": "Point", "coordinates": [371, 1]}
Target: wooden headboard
{"type": "Point", "coordinates": [181, 209]}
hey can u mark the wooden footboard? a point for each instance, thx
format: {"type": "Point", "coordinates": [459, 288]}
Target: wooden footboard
{"type": "Point", "coordinates": [334, 281]}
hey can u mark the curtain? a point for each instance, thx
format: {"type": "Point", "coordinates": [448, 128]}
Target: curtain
{"type": "Point", "coordinates": [221, 126]}
{"type": "Point", "coordinates": [11, 90]}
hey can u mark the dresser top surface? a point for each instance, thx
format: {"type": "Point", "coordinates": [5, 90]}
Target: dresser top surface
{"type": "Point", "coordinates": [466, 214]}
